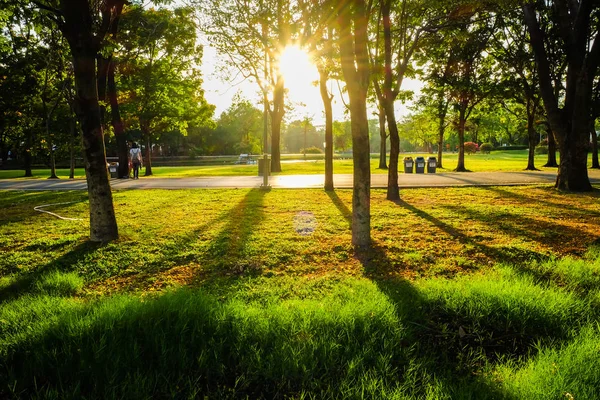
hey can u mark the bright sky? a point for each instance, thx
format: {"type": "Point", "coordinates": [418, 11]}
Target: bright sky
{"type": "Point", "coordinates": [300, 80]}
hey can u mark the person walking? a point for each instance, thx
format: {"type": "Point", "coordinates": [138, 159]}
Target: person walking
{"type": "Point", "coordinates": [135, 154]}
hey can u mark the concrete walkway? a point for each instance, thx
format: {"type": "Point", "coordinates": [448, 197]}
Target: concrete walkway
{"type": "Point", "coordinates": [303, 181]}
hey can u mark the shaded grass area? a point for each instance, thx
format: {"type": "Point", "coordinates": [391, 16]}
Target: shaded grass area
{"type": "Point", "coordinates": [466, 293]}
{"type": "Point", "coordinates": [496, 161]}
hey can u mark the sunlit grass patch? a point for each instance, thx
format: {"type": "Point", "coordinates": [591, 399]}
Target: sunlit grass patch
{"type": "Point", "coordinates": [568, 371]}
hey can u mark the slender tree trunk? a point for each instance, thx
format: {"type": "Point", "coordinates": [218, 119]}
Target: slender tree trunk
{"type": "Point", "coordinates": [148, 161]}
{"type": "Point", "coordinates": [461, 141]}
{"type": "Point", "coordinates": [383, 137]}
{"type": "Point", "coordinates": [117, 123]}
{"type": "Point", "coordinates": [51, 150]}
{"type": "Point", "coordinates": [354, 57]}
{"type": "Point", "coordinates": [103, 223]}
{"type": "Point", "coordinates": [27, 159]}
{"type": "Point", "coordinates": [532, 140]}
{"type": "Point", "coordinates": [551, 162]}
{"type": "Point", "coordinates": [276, 119]}
{"type": "Point", "coordinates": [595, 163]}
{"type": "Point", "coordinates": [326, 97]}
{"type": "Point", "coordinates": [393, 192]}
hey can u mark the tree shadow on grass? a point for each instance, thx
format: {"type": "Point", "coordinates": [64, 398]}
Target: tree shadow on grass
{"type": "Point", "coordinates": [342, 208]}
{"type": "Point", "coordinates": [497, 254]}
{"type": "Point", "coordinates": [555, 206]}
{"type": "Point", "coordinates": [23, 283]}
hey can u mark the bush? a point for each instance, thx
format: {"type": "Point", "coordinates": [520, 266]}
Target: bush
{"type": "Point", "coordinates": [311, 150]}
{"type": "Point", "coordinates": [471, 148]}
{"type": "Point", "coordinates": [486, 148]}
{"type": "Point", "coordinates": [541, 149]}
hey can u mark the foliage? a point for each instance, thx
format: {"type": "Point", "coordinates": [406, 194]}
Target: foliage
{"type": "Point", "coordinates": [312, 150]}
{"type": "Point", "coordinates": [486, 148]}
{"type": "Point", "coordinates": [471, 148]}
{"type": "Point", "coordinates": [541, 149]}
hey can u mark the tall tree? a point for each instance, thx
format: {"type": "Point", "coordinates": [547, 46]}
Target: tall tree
{"type": "Point", "coordinates": [251, 36]}
{"type": "Point", "coordinates": [568, 23]}
{"type": "Point", "coordinates": [519, 73]}
{"type": "Point", "coordinates": [85, 26]}
{"type": "Point", "coordinates": [471, 66]}
{"type": "Point", "coordinates": [160, 74]}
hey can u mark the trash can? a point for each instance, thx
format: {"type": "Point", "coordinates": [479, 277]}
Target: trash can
{"type": "Point", "coordinates": [261, 163]}
{"type": "Point", "coordinates": [113, 169]}
{"type": "Point", "coordinates": [420, 165]}
{"type": "Point", "coordinates": [431, 165]}
{"type": "Point", "coordinates": [408, 165]}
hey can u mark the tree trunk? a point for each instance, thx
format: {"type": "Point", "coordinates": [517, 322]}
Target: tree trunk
{"type": "Point", "coordinates": [354, 59]}
{"type": "Point", "coordinates": [148, 161]}
{"type": "Point", "coordinates": [103, 223]}
{"type": "Point", "coordinates": [393, 192]}
{"type": "Point", "coordinates": [595, 163]}
{"type": "Point", "coordinates": [460, 167]}
{"type": "Point", "coordinates": [383, 137]}
{"type": "Point", "coordinates": [27, 161]}
{"type": "Point", "coordinates": [51, 150]}
{"type": "Point", "coordinates": [276, 118]}
{"type": "Point", "coordinates": [117, 123]}
{"type": "Point", "coordinates": [326, 97]}
{"type": "Point", "coordinates": [551, 162]}
{"type": "Point", "coordinates": [569, 123]}
{"type": "Point", "coordinates": [532, 140]}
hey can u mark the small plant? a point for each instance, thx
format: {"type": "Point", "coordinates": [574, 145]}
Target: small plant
{"type": "Point", "coordinates": [311, 150]}
{"type": "Point", "coordinates": [486, 148]}
{"type": "Point", "coordinates": [471, 147]}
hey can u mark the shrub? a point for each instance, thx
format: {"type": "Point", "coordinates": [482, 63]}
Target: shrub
{"type": "Point", "coordinates": [471, 148]}
{"type": "Point", "coordinates": [311, 150]}
{"type": "Point", "coordinates": [541, 149]}
{"type": "Point", "coordinates": [486, 148]}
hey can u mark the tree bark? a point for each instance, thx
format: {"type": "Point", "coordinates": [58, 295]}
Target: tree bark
{"type": "Point", "coordinates": [276, 118]}
{"type": "Point", "coordinates": [352, 22]}
{"type": "Point", "coordinates": [532, 139]}
{"type": "Point", "coordinates": [383, 137]}
{"type": "Point", "coordinates": [327, 99]}
{"type": "Point", "coordinates": [551, 162]}
{"type": "Point", "coordinates": [460, 167]}
{"type": "Point", "coordinates": [595, 163]}
{"type": "Point", "coordinates": [117, 123]}
{"type": "Point", "coordinates": [570, 123]}
{"type": "Point", "coordinates": [148, 161]}
{"type": "Point", "coordinates": [103, 223]}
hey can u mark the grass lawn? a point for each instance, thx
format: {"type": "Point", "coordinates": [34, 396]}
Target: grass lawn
{"type": "Point", "coordinates": [496, 161]}
{"type": "Point", "coordinates": [467, 293]}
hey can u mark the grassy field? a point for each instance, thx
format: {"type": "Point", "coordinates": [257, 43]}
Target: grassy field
{"type": "Point", "coordinates": [496, 161]}
{"type": "Point", "coordinates": [467, 293]}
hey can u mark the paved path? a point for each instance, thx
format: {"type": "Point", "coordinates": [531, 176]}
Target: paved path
{"type": "Point", "coordinates": [303, 181]}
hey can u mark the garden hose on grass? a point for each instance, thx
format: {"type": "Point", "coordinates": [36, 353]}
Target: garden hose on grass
{"type": "Point", "coordinates": [39, 208]}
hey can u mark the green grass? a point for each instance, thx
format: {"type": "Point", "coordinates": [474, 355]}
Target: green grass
{"type": "Point", "coordinates": [467, 293]}
{"type": "Point", "coordinates": [495, 161]}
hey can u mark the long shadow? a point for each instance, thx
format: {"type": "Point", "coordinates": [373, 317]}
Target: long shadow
{"type": "Point", "coordinates": [342, 208]}
{"type": "Point", "coordinates": [498, 254]}
{"type": "Point", "coordinates": [554, 205]}
{"type": "Point", "coordinates": [519, 225]}
{"type": "Point", "coordinates": [223, 257]}
{"type": "Point", "coordinates": [23, 283]}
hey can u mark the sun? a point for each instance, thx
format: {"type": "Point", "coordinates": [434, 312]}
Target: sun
{"type": "Point", "coordinates": [299, 74]}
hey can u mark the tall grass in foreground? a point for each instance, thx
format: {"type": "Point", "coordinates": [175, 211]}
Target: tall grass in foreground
{"type": "Point", "coordinates": [522, 331]}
